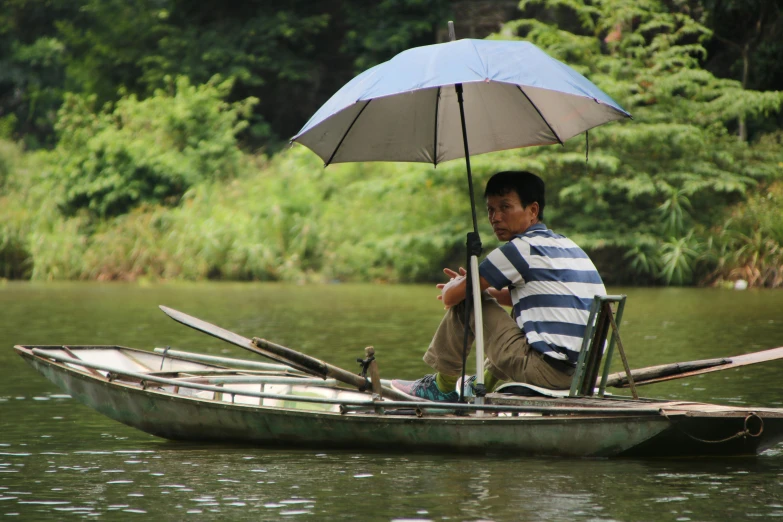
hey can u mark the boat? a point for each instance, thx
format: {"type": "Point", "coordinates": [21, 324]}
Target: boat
{"type": "Point", "coordinates": [194, 397]}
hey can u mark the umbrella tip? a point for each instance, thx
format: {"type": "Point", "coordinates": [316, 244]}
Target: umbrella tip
{"type": "Point", "coordinates": [452, 33]}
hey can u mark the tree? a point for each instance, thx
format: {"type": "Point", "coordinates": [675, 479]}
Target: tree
{"type": "Point", "coordinates": [291, 56]}
{"type": "Point", "coordinates": [32, 67]}
{"type": "Point", "coordinates": [668, 174]}
{"type": "Point", "coordinates": [752, 33]}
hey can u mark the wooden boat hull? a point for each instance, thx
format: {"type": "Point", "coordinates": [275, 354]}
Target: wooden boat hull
{"type": "Point", "coordinates": [188, 418]}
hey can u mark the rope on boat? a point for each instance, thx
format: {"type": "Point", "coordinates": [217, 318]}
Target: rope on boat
{"type": "Point", "coordinates": [744, 432]}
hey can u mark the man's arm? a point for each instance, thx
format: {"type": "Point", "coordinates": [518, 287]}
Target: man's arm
{"type": "Point", "coordinates": [503, 296]}
{"type": "Point", "coordinates": [453, 292]}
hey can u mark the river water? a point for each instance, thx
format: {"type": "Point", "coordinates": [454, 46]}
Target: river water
{"type": "Point", "coordinates": [60, 460]}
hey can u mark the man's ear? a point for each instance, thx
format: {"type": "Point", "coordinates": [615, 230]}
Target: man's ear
{"type": "Point", "coordinates": [534, 208]}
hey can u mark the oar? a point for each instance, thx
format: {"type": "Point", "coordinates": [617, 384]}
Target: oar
{"type": "Point", "coordinates": [666, 372]}
{"type": "Point", "coordinates": [298, 360]}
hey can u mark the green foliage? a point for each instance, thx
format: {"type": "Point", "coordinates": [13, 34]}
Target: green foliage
{"type": "Point", "coordinates": [12, 251]}
{"type": "Point", "coordinates": [749, 243]}
{"type": "Point", "coordinates": [146, 151]}
{"type": "Point", "coordinates": [678, 257]}
{"type": "Point", "coordinates": [108, 42]}
{"type": "Point", "coordinates": [291, 55]}
{"type": "Point", "coordinates": [147, 180]}
{"type": "Point", "coordinates": [747, 32]}
{"type": "Point", "coordinates": [669, 173]}
{"type": "Point", "coordinates": [284, 219]}
{"type": "Point", "coordinates": [26, 206]}
{"type": "Point", "coordinates": [9, 156]}
{"type": "Point", "coordinates": [644, 256]}
{"type": "Point", "coordinates": [274, 51]}
{"type": "Point", "coordinates": [32, 67]}
{"type": "Point", "coordinates": [390, 27]}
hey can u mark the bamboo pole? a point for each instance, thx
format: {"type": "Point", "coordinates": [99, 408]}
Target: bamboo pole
{"type": "Point", "coordinates": [323, 369]}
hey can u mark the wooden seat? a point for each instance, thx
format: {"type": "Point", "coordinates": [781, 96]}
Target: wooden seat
{"type": "Point", "coordinates": [606, 311]}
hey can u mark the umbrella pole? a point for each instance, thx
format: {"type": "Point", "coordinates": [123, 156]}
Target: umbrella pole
{"type": "Point", "coordinates": [473, 287]}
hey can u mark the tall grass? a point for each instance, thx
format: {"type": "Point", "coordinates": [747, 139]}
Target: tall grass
{"type": "Point", "coordinates": [282, 219]}
{"type": "Point", "coordinates": [749, 244]}
{"type": "Point", "coordinates": [287, 218]}
{"type": "Point", "coordinates": [25, 208]}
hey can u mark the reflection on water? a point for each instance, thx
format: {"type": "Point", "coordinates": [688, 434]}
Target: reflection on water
{"type": "Point", "coordinates": [60, 460]}
{"type": "Point", "coordinates": [247, 483]}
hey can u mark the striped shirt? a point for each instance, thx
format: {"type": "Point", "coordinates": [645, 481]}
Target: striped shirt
{"type": "Point", "coordinates": [552, 284]}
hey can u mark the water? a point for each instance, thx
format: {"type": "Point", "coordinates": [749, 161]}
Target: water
{"type": "Point", "coordinates": [60, 460]}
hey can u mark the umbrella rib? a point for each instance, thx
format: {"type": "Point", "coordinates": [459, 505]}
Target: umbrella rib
{"type": "Point", "coordinates": [346, 134]}
{"type": "Point", "coordinates": [541, 115]}
{"type": "Point", "coordinates": [435, 137]}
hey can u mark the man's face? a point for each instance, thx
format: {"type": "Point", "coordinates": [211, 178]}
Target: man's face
{"type": "Point", "coordinates": [508, 217]}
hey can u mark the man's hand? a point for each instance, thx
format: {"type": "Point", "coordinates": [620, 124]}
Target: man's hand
{"type": "Point", "coordinates": [455, 280]}
{"type": "Point", "coordinates": [453, 292]}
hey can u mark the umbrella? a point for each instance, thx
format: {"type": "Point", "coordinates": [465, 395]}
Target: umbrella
{"type": "Point", "coordinates": [439, 102]}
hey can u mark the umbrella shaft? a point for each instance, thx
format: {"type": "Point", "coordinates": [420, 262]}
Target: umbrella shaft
{"type": "Point", "coordinates": [473, 289]}
{"type": "Point", "coordinates": [458, 87]}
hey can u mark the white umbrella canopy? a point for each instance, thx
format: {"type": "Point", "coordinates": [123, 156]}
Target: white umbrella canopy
{"type": "Point", "coordinates": [406, 109]}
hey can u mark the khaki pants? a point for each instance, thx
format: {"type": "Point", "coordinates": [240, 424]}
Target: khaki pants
{"type": "Point", "coordinates": [509, 356]}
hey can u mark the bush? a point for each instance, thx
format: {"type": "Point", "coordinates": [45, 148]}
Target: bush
{"type": "Point", "coordinates": [288, 220]}
{"type": "Point", "coordinates": [749, 244]}
{"type": "Point", "coordinates": [147, 151]}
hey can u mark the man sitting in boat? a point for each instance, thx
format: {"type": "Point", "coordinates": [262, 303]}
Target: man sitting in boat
{"type": "Point", "coordinates": [547, 280]}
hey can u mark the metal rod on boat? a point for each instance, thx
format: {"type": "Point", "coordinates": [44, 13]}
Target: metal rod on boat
{"type": "Point", "coordinates": [226, 361]}
{"type": "Point", "coordinates": [259, 379]}
{"type": "Point", "coordinates": [179, 383]}
{"type": "Point", "coordinates": [234, 363]}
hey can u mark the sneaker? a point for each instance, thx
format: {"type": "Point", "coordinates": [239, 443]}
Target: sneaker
{"type": "Point", "coordinates": [425, 388]}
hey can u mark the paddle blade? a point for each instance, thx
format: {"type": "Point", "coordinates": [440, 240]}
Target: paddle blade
{"type": "Point", "coordinates": [667, 372]}
{"type": "Point", "coordinates": [230, 337]}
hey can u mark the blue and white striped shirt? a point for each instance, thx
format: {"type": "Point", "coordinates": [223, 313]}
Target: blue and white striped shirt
{"type": "Point", "coordinates": [552, 284]}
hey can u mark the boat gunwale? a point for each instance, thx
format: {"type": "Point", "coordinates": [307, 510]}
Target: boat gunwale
{"type": "Point", "coordinates": [580, 412]}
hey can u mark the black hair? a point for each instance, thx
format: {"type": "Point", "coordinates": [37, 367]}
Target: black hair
{"type": "Point", "coordinates": [528, 186]}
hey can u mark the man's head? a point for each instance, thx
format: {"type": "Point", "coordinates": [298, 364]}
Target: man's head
{"type": "Point", "coordinates": [515, 202]}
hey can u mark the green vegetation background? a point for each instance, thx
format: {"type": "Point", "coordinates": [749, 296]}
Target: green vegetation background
{"type": "Point", "coordinates": [143, 139]}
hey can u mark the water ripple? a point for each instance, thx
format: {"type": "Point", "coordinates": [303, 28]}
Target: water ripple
{"type": "Point", "coordinates": [45, 502]}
